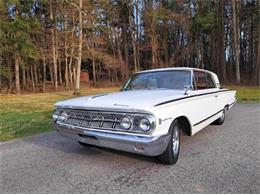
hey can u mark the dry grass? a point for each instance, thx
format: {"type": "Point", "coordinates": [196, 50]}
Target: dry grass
{"type": "Point", "coordinates": [23, 115]}
{"type": "Point", "coordinates": [247, 93]}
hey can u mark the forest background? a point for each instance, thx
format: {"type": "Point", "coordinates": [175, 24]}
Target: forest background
{"type": "Point", "coordinates": [46, 45]}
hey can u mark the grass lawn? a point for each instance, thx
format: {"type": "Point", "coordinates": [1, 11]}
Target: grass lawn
{"type": "Point", "coordinates": [24, 115]}
{"type": "Point", "coordinates": [245, 93]}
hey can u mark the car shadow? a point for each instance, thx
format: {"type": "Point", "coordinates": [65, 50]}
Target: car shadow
{"type": "Point", "coordinates": [54, 141]}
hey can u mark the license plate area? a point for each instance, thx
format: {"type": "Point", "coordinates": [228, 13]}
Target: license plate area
{"type": "Point", "coordinates": [88, 139]}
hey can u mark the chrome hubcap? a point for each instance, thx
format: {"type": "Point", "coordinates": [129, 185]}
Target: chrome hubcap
{"type": "Point", "coordinates": [175, 141]}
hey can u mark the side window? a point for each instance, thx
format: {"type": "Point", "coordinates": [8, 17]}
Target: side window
{"type": "Point", "coordinates": [200, 80]}
{"type": "Point", "coordinates": [209, 81]}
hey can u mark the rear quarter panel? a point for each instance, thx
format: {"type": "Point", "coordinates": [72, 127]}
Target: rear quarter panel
{"type": "Point", "coordinates": [194, 109]}
{"type": "Point", "coordinates": [226, 98]}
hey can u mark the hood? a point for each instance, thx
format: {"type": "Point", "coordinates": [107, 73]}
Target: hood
{"type": "Point", "coordinates": [136, 99]}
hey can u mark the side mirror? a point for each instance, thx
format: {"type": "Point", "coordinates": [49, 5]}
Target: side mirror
{"type": "Point", "coordinates": [187, 88]}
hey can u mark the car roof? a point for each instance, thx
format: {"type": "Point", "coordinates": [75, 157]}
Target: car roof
{"type": "Point", "coordinates": [174, 68]}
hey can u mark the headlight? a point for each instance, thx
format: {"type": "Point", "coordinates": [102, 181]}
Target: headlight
{"type": "Point", "coordinates": [63, 116]}
{"type": "Point", "coordinates": [126, 122]}
{"type": "Point", "coordinates": [55, 116]}
{"type": "Point", "coordinates": [145, 124]}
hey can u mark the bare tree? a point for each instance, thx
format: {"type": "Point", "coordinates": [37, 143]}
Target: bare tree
{"type": "Point", "coordinates": [77, 85]}
{"type": "Point", "coordinates": [17, 75]}
{"type": "Point", "coordinates": [54, 58]}
{"type": "Point", "coordinates": [236, 39]}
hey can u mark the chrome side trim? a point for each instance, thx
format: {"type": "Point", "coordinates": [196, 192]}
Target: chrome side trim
{"type": "Point", "coordinates": [191, 96]}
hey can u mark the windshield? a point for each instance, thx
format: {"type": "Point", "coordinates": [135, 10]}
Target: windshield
{"type": "Point", "coordinates": [174, 79]}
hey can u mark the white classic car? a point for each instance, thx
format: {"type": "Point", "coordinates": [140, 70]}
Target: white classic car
{"type": "Point", "coordinates": [148, 114]}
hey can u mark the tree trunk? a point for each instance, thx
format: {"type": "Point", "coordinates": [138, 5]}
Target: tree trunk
{"type": "Point", "coordinates": [154, 43]}
{"type": "Point", "coordinates": [53, 50]}
{"type": "Point", "coordinates": [44, 70]}
{"type": "Point", "coordinates": [123, 66]}
{"type": "Point", "coordinates": [165, 47]}
{"type": "Point", "coordinates": [74, 74]}
{"type": "Point", "coordinates": [28, 79]}
{"type": "Point", "coordinates": [39, 75]}
{"type": "Point", "coordinates": [71, 81]}
{"type": "Point", "coordinates": [236, 39]}
{"type": "Point", "coordinates": [24, 76]}
{"type": "Point", "coordinates": [17, 76]}
{"type": "Point", "coordinates": [66, 56]}
{"type": "Point", "coordinates": [125, 43]}
{"type": "Point", "coordinates": [94, 72]}
{"type": "Point", "coordinates": [66, 73]}
{"type": "Point", "coordinates": [60, 71]}
{"type": "Point", "coordinates": [221, 41]}
{"type": "Point", "coordinates": [10, 79]}
{"type": "Point", "coordinates": [71, 78]}
{"type": "Point", "coordinates": [132, 32]}
{"type": "Point", "coordinates": [77, 87]}
{"type": "Point", "coordinates": [257, 69]}
{"type": "Point", "coordinates": [35, 74]}
{"type": "Point", "coordinates": [44, 77]}
{"type": "Point", "coordinates": [137, 34]}
{"type": "Point", "coordinates": [32, 79]}
{"type": "Point", "coordinates": [154, 50]}
{"type": "Point", "coordinates": [1, 83]}
{"type": "Point", "coordinates": [51, 73]}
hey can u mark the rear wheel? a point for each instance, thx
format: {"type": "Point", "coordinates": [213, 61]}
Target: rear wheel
{"type": "Point", "coordinates": [221, 119]}
{"type": "Point", "coordinates": [171, 154]}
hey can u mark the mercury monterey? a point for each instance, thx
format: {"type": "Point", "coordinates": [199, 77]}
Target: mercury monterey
{"type": "Point", "coordinates": [149, 113]}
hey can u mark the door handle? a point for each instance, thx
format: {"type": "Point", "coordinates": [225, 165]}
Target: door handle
{"type": "Point", "coordinates": [215, 96]}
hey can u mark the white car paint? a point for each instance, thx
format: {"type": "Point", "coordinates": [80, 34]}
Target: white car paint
{"type": "Point", "coordinates": [199, 107]}
{"type": "Point", "coordinates": [195, 109]}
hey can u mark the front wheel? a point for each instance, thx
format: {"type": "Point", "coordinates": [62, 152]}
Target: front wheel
{"type": "Point", "coordinates": [171, 154]}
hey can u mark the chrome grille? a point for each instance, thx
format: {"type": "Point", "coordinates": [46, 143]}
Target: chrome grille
{"type": "Point", "coordinates": [94, 119]}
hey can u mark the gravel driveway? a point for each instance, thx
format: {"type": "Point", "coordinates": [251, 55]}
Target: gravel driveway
{"type": "Point", "coordinates": [219, 159]}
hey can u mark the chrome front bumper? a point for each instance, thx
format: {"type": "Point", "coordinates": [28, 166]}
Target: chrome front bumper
{"type": "Point", "coordinates": [149, 146]}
